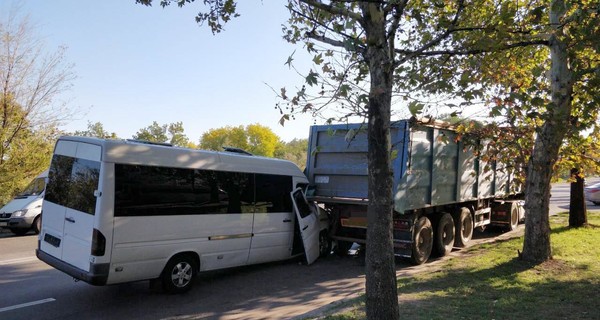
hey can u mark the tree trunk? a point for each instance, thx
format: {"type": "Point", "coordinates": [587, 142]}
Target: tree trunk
{"type": "Point", "coordinates": [577, 208]}
{"type": "Point", "coordinates": [381, 287]}
{"type": "Point", "coordinates": [536, 247]}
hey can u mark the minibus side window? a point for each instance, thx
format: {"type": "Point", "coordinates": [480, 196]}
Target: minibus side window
{"type": "Point", "coordinates": [273, 193]}
{"type": "Point", "coordinates": [151, 191]}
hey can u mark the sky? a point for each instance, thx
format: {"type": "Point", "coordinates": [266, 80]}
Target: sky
{"type": "Point", "coordinates": [136, 64]}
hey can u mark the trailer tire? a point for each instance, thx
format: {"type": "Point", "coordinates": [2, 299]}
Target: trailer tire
{"type": "Point", "coordinates": [422, 241]}
{"type": "Point", "coordinates": [342, 247]}
{"type": "Point", "coordinates": [444, 235]}
{"type": "Point", "coordinates": [514, 217]}
{"type": "Point", "coordinates": [464, 227]}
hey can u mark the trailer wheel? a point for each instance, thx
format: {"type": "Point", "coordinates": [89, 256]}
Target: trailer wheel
{"type": "Point", "coordinates": [444, 235]}
{"type": "Point", "coordinates": [464, 227]}
{"type": "Point", "coordinates": [514, 217]}
{"type": "Point", "coordinates": [179, 274]}
{"type": "Point", "coordinates": [422, 241]}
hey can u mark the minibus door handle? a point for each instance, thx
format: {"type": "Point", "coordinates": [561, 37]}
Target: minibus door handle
{"type": "Point", "coordinates": [287, 220]}
{"type": "Point", "coordinates": [305, 227]}
{"type": "Point", "coordinates": [71, 220]}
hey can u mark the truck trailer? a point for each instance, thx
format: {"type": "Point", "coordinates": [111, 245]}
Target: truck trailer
{"type": "Point", "coordinates": [442, 190]}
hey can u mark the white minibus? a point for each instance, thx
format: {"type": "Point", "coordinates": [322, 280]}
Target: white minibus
{"type": "Point", "coordinates": [118, 211]}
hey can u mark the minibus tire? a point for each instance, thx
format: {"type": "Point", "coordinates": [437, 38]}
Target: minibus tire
{"type": "Point", "coordinates": [324, 244]}
{"type": "Point", "coordinates": [179, 274]}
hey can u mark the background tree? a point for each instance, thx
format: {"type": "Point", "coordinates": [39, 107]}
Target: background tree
{"type": "Point", "coordinates": [167, 133]}
{"type": "Point", "coordinates": [96, 130]}
{"type": "Point", "coordinates": [30, 82]}
{"type": "Point", "coordinates": [254, 138]}
{"type": "Point", "coordinates": [294, 151]}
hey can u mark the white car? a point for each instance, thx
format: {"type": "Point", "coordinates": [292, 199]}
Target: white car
{"type": "Point", "coordinates": [592, 193]}
{"type": "Point", "coordinates": [24, 212]}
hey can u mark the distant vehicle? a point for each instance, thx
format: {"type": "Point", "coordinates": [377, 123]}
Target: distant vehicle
{"type": "Point", "coordinates": [24, 212]}
{"type": "Point", "coordinates": [592, 193]}
{"type": "Point", "coordinates": [119, 211]}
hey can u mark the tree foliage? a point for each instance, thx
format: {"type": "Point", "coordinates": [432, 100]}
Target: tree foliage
{"type": "Point", "coordinates": [254, 138]}
{"type": "Point", "coordinates": [31, 79]}
{"type": "Point", "coordinates": [172, 133]}
{"type": "Point", "coordinates": [96, 130]}
{"type": "Point", "coordinates": [294, 151]}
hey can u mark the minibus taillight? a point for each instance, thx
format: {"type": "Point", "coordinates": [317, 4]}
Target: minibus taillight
{"type": "Point", "coordinates": [98, 243]}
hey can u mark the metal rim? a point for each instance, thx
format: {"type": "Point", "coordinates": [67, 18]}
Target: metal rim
{"type": "Point", "coordinates": [424, 241]}
{"type": "Point", "coordinates": [181, 274]}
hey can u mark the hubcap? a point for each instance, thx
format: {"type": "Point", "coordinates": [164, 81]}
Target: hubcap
{"type": "Point", "coordinates": [181, 274]}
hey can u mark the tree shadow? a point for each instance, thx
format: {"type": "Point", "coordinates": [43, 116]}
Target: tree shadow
{"type": "Point", "coordinates": [502, 291]}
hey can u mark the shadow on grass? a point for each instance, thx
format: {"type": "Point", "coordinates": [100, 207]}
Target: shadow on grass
{"type": "Point", "coordinates": [510, 290]}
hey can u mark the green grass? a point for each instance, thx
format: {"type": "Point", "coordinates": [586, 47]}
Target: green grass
{"type": "Point", "coordinates": [490, 282]}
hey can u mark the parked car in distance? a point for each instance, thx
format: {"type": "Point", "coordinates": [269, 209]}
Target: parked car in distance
{"type": "Point", "coordinates": [592, 193]}
{"type": "Point", "coordinates": [24, 212]}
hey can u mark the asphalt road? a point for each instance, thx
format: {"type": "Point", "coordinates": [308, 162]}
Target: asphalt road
{"type": "Point", "coordinates": [30, 289]}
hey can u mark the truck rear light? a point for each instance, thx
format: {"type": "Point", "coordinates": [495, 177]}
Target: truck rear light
{"type": "Point", "coordinates": [98, 243]}
{"type": "Point", "coordinates": [401, 225]}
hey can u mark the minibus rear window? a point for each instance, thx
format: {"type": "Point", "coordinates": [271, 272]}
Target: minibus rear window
{"type": "Point", "coordinates": [72, 182]}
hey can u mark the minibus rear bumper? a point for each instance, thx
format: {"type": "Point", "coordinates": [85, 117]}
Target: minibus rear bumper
{"type": "Point", "coordinates": [98, 274]}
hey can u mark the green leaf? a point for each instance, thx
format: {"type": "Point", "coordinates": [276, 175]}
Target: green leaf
{"type": "Point", "coordinates": [394, 155]}
{"type": "Point", "coordinates": [311, 79]}
{"type": "Point", "coordinates": [290, 59]}
{"type": "Point", "coordinates": [318, 59]}
{"type": "Point", "coordinates": [283, 94]}
{"type": "Point", "coordinates": [284, 118]}
{"type": "Point", "coordinates": [415, 108]}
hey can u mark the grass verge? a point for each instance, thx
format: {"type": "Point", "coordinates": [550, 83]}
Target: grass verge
{"type": "Point", "coordinates": [490, 282]}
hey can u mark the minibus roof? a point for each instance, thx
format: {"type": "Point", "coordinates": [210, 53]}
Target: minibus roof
{"type": "Point", "coordinates": [134, 152]}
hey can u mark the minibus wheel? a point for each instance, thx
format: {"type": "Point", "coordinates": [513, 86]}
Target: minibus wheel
{"type": "Point", "coordinates": [324, 244]}
{"type": "Point", "coordinates": [179, 274]}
